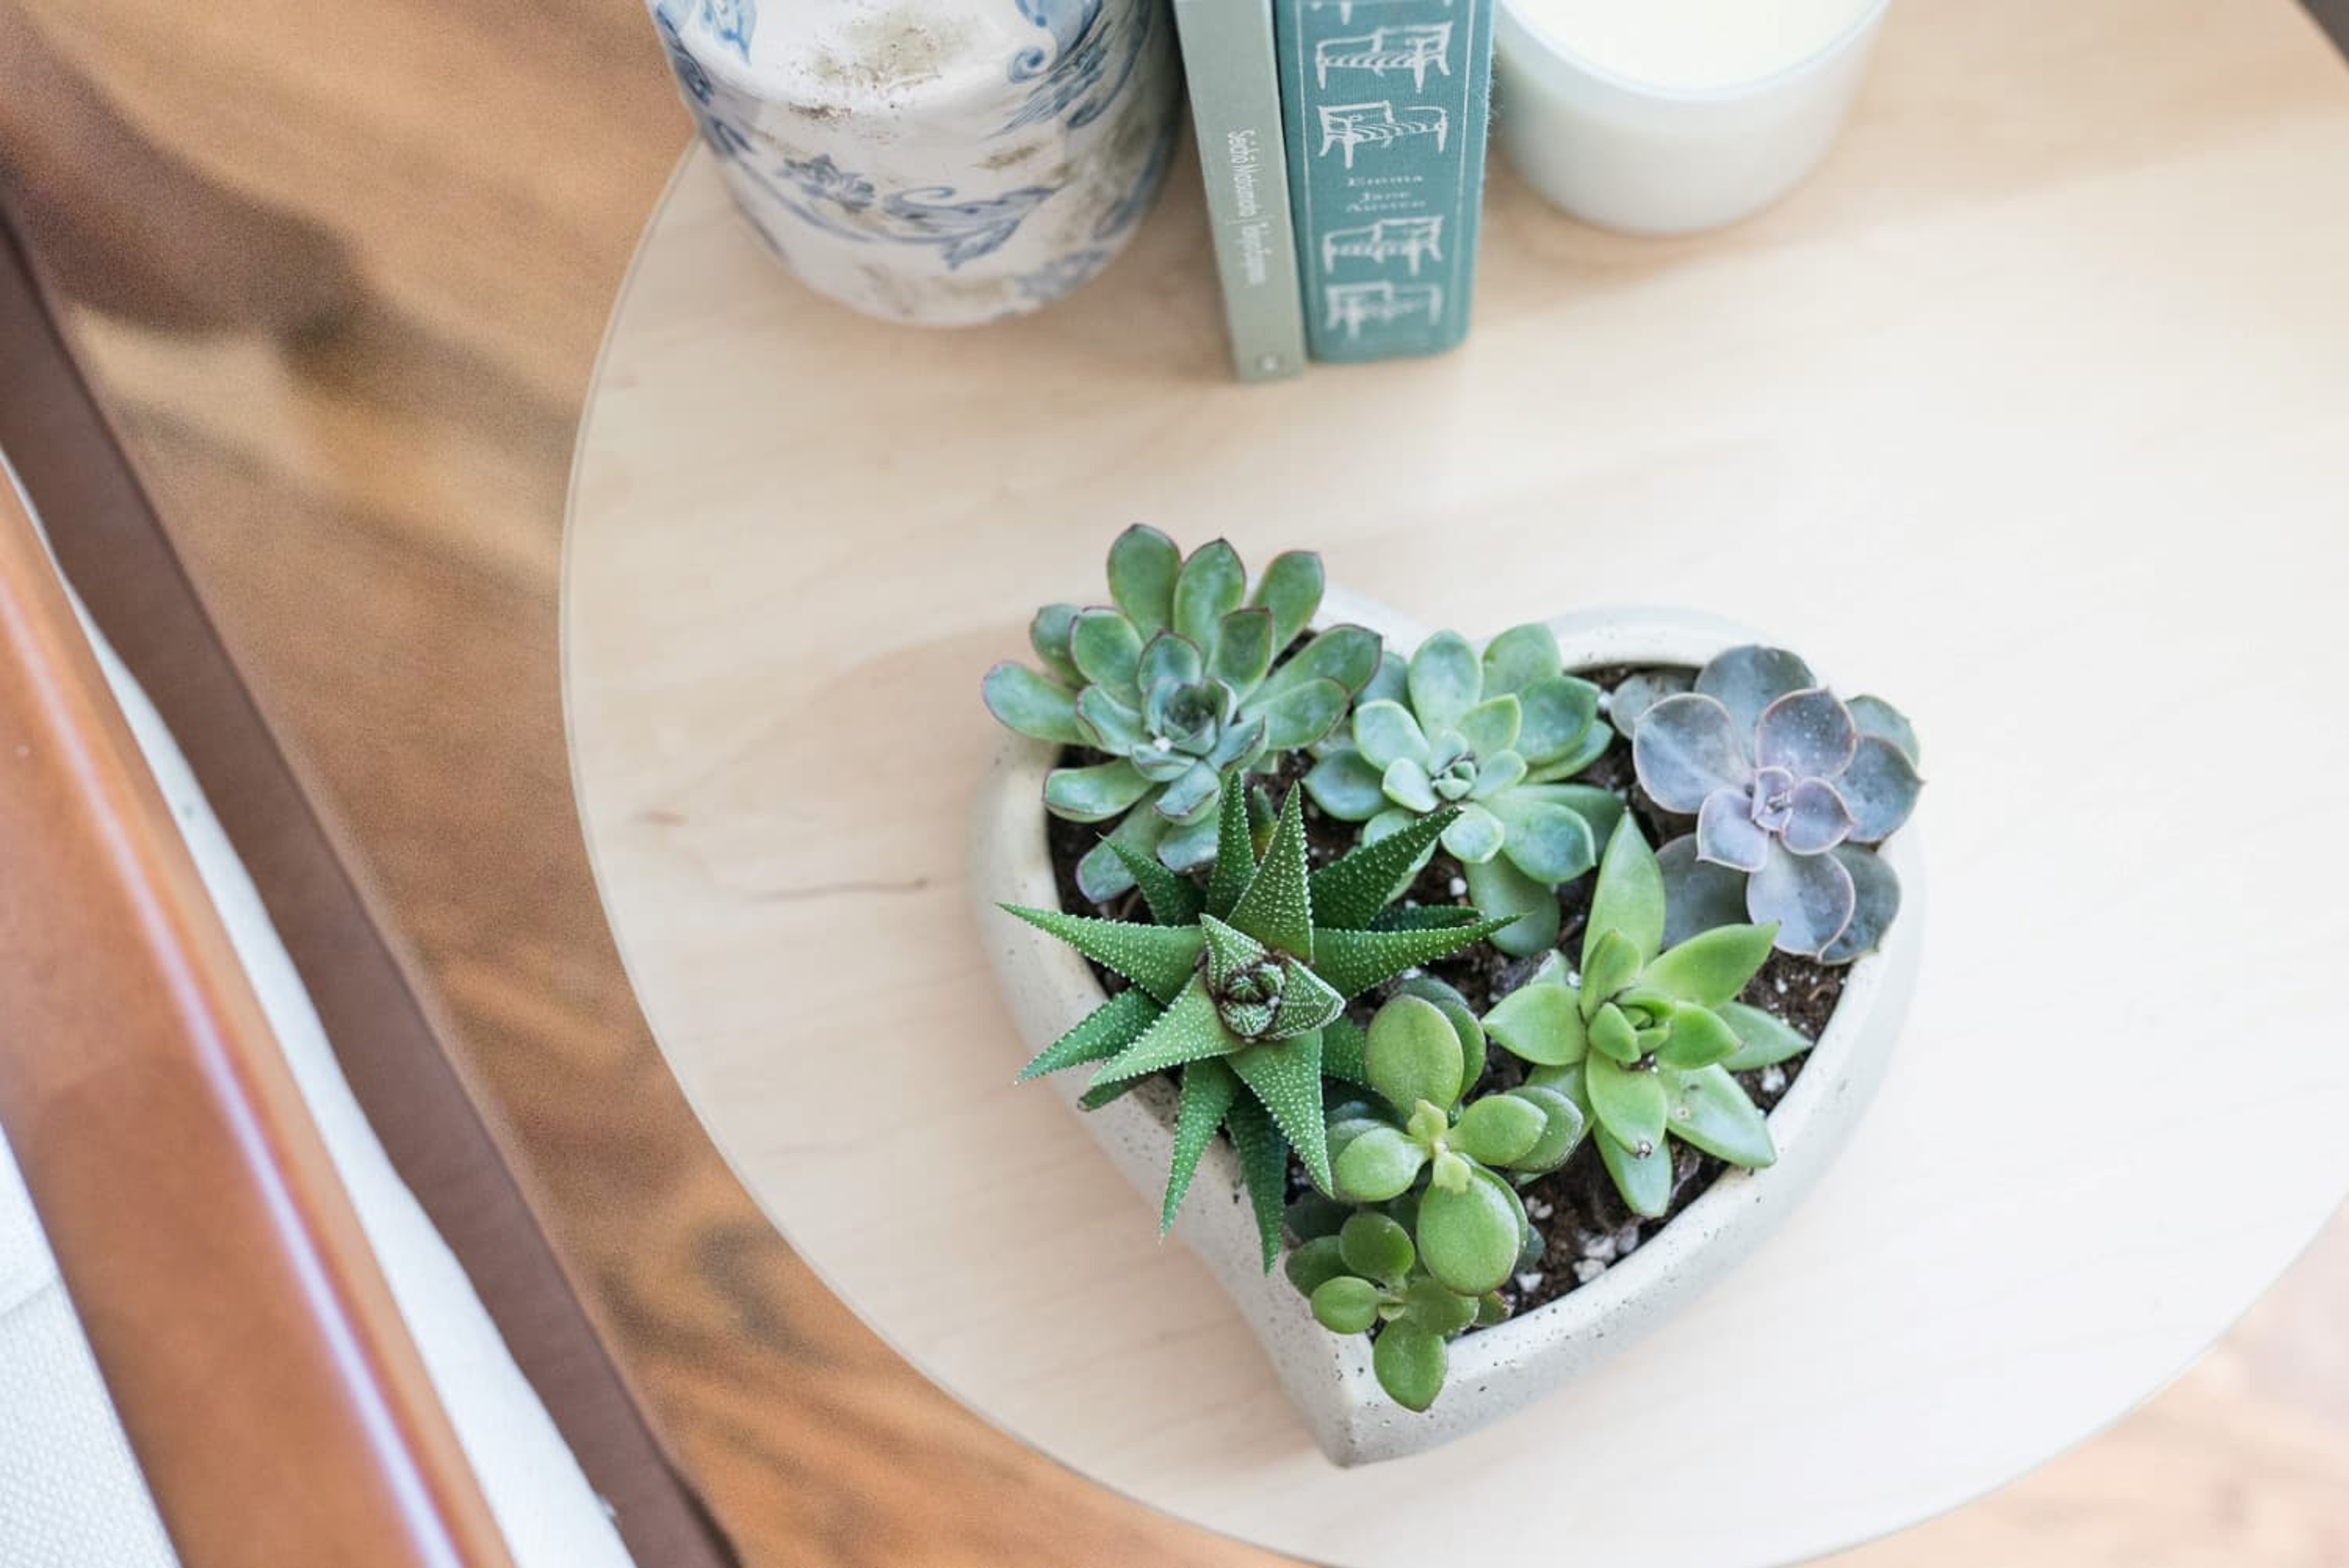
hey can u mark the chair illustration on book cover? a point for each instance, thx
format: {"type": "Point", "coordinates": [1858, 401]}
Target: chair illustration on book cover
{"type": "Point", "coordinates": [1351, 125]}
{"type": "Point", "coordinates": [1415, 49]}
{"type": "Point", "coordinates": [1413, 239]}
{"type": "Point", "coordinates": [1350, 306]}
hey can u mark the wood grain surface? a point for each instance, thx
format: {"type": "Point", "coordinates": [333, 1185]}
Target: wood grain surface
{"type": "Point", "coordinates": [375, 517]}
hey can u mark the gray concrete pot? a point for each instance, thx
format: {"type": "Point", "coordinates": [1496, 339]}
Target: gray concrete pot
{"type": "Point", "coordinates": [1498, 1370]}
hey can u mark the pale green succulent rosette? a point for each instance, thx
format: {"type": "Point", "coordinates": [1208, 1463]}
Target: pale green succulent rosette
{"type": "Point", "coordinates": [1495, 736]}
{"type": "Point", "coordinates": [1177, 684]}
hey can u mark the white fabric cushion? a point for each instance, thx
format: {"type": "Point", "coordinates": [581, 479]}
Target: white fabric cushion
{"type": "Point", "coordinates": [70, 1495]}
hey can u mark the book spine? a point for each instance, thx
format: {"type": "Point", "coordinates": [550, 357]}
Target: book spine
{"type": "Point", "coordinates": [1385, 103]}
{"type": "Point", "coordinates": [1227, 56]}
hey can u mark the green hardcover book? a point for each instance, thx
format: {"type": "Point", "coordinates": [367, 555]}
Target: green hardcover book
{"type": "Point", "coordinates": [1385, 103]}
{"type": "Point", "coordinates": [1235, 108]}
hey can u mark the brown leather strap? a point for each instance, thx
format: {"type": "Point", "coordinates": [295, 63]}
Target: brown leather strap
{"type": "Point", "coordinates": [115, 550]}
{"type": "Point", "coordinates": [215, 1261]}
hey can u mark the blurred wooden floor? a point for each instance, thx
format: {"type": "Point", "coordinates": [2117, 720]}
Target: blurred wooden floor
{"type": "Point", "coordinates": [376, 521]}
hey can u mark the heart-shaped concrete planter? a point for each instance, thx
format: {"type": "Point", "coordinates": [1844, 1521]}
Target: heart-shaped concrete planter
{"type": "Point", "coordinates": [1497, 1370]}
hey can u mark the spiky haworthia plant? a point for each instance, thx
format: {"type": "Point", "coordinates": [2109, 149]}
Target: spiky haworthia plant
{"type": "Point", "coordinates": [1495, 736]}
{"type": "Point", "coordinates": [1646, 1040]}
{"type": "Point", "coordinates": [1440, 1226]}
{"type": "Point", "coordinates": [1239, 985]}
{"type": "Point", "coordinates": [1790, 786]}
{"type": "Point", "coordinates": [1176, 685]}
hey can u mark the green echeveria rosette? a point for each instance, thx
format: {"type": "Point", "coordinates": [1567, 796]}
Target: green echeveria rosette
{"type": "Point", "coordinates": [1176, 686]}
{"type": "Point", "coordinates": [1238, 987]}
{"type": "Point", "coordinates": [1647, 1038]}
{"type": "Point", "coordinates": [1791, 788]}
{"type": "Point", "coordinates": [1496, 737]}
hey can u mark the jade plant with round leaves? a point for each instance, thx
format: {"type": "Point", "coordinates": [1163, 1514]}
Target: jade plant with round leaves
{"type": "Point", "coordinates": [1367, 1275]}
{"type": "Point", "coordinates": [1495, 736]}
{"type": "Point", "coordinates": [1790, 787]}
{"type": "Point", "coordinates": [1424, 1051]}
{"type": "Point", "coordinates": [1177, 684]}
{"type": "Point", "coordinates": [1431, 1171]}
{"type": "Point", "coordinates": [1647, 1038]}
{"type": "Point", "coordinates": [1238, 986]}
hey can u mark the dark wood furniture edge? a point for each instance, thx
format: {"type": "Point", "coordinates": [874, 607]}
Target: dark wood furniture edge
{"type": "Point", "coordinates": [114, 547]}
{"type": "Point", "coordinates": [213, 1259]}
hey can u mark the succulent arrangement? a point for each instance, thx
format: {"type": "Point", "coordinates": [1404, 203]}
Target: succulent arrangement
{"type": "Point", "coordinates": [1392, 924]}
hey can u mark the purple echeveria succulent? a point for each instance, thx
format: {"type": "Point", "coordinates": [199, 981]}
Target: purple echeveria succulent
{"type": "Point", "coordinates": [1788, 785]}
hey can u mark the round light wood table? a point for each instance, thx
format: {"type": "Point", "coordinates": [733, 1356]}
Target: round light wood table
{"type": "Point", "coordinates": [2027, 413]}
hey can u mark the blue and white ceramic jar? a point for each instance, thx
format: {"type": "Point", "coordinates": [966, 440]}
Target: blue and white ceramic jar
{"type": "Point", "coordinates": [940, 161]}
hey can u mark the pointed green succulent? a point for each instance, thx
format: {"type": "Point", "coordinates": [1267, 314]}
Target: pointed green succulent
{"type": "Point", "coordinates": [1496, 736]}
{"type": "Point", "coordinates": [1176, 686]}
{"type": "Point", "coordinates": [1239, 985]}
{"type": "Point", "coordinates": [1645, 1040]}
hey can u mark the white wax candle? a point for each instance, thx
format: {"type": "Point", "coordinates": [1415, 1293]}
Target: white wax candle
{"type": "Point", "coordinates": [1693, 46]}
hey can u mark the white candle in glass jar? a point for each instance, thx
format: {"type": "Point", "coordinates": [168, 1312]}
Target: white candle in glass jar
{"type": "Point", "coordinates": [1672, 116]}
